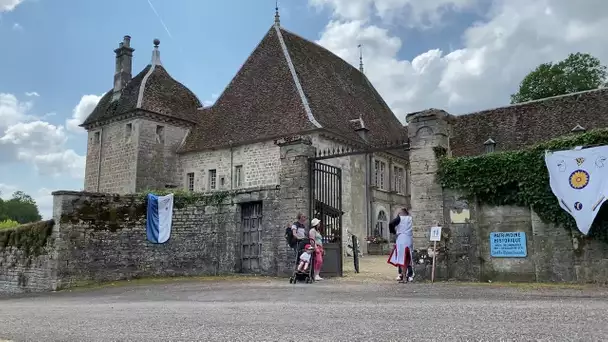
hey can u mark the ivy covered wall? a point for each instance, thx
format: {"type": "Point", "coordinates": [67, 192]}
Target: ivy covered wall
{"type": "Point", "coordinates": [509, 191]}
{"type": "Point", "coordinates": [520, 178]}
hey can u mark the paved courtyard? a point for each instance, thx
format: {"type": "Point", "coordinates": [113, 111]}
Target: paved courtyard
{"type": "Point", "coordinates": [364, 307]}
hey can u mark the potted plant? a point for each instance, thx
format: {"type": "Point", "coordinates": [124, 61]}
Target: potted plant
{"type": "Point", "coordinates": [377, 245]}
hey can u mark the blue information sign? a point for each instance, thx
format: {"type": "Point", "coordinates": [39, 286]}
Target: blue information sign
{"type": "Point", "coordinates": [508, 245]}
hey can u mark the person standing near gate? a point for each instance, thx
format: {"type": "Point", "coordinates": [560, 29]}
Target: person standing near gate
{"type": "Point", "coordinates": [298, 229]}
{"type": "Point", "coordinates": [402, 253]}
{"type": "Point", "coordinates": [315, 234]}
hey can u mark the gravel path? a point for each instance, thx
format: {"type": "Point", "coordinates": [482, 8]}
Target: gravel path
{"type": "Point", "coordinates": [339, 310]}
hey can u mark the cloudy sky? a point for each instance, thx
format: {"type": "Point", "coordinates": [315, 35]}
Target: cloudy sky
{"type": "Point", "coordinates": [460, 55]}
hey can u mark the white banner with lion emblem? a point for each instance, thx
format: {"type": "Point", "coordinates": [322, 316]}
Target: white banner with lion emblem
{"type": "Point", "coordinates": [579, 180]}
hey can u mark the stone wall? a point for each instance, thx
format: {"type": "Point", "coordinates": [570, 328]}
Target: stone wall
{"type": "Point", "coordinates": [102, 237]}
{"type": "Point", "coordinates": [260, 164]}
{"type": "Point", "coordinates": [427, 131]}
{"type": "Point", "coordinates": [27, 258]}
{"type": "Point", "coordinates": [554, 254]}
{"type": "Point", "coordinates": [118, 150]}
{"type": "Point", "coordinates": [134, 156]}
{"type": "Point", "coordinates": [157, 160]}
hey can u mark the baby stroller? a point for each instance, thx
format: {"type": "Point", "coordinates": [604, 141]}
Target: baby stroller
{"type": "Point", "coordinates": [304, 275]}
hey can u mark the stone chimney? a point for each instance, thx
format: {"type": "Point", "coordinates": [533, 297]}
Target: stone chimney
{"type": "Point", "coordinates": [122, 74]}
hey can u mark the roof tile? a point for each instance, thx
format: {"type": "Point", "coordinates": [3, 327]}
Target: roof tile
{"type": "Point", "coordinates": [262, 100]}
{"type": "Point", "coordinates": [520, 125]}
{"type": "Point", "coordinates": [162, 95]}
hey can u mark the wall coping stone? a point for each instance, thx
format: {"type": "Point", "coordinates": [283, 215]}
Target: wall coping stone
{"type": "Point", "coordinates": [103, 194]}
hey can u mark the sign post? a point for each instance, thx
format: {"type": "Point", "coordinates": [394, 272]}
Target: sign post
{"type": "Point", "coordinates": [435, 236]}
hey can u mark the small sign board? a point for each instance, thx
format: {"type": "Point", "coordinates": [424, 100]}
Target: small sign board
{"type": "Point", "coordinates": [508, 245]}
{"type": "Point", "coordinates": [435, 234]}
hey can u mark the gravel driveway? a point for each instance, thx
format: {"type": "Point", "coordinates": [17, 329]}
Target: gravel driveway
{"type": "Point", "coordinates": [347, 309]}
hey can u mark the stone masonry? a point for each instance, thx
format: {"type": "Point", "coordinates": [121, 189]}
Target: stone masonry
{"type": "Point", "coordinates": [259, 163]}
{"type": "Point", "coordinates": [98, 237]}
{"type": "Point", "coordinates": [135, 155]}
{"type": "Point", "coordinates": [553, 253]}
{"type": "Point", "coordinates": [28, 260]}
{"type": "Point", "coordinates": [427, 131]}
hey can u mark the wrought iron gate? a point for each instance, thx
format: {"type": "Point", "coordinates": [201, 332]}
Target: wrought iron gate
{"type": "Point", "coordinates": [326, 205]}
{"type": "Point", "coordinates": [251, 237]}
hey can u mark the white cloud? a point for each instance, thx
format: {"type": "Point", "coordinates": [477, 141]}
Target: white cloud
{"type": "Point", "coordinates": [207, 103]}
{"type": "Point", "coordinates": [32, 93]}
{"type": "Point", "coordinates": [412, 13]}
{"type": "Point", "coordinates": [44, 200]}
{"type": "Point", "coordinates": [81, 112]}
{"type": "Point", "coordinates": [27, 139]}
{"type": "Point", "coordinates": [6, 190]}
{"type": "Point", "coordinates": [17, 27]}
{"type": "Point", "coordinates": [497, 53]}
{"type": "Point", "coordinates": [9, 5]}
{"type": "Point", "coordinates": [64, 163]}
{"type": "Point", "coordinates": [12, 111]}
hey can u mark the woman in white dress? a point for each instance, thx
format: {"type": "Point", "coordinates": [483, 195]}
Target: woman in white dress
{"type": "Point", "coordinates": [402, 254]}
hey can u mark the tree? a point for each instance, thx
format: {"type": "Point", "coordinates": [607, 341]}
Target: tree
{"type": "Point", "coordinates": [21, 208]}
{"type": "Point", "coordinates": [578, 72]}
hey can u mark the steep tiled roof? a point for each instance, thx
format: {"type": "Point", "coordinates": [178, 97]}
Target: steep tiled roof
{"type": "Point", "coordinates": [516, 126]}
{"type": "Point", "coordinates": [338, 92]}
{"type": "Point", "coordinates": [153, 90]}
{"type": "Point", "coordinates": [265, 100]}
{"type": "Point", "coordinates": [261, 100]}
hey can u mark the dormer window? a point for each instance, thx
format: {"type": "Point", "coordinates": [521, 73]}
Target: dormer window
{"type": "Point", "coordinates": [490, 145]}
{"type": "Point", "coordinates": [578, 129]}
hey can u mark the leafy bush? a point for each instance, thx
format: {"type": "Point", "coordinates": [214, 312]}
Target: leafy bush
{"type": "Point", "coordinates": [8, 223]}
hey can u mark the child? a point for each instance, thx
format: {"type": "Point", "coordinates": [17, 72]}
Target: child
{"type": "Point", "coordinates": [305, 258]}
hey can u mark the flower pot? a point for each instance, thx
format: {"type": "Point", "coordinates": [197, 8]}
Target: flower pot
{"type": "Point", "coordinates": [378, 248]}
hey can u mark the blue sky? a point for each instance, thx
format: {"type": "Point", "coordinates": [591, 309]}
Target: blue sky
{"type": "Point", "coordinates": [418, 57]}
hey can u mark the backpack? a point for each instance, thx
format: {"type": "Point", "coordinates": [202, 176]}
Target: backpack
{"type": "Point", "coordinates": [291, 240]}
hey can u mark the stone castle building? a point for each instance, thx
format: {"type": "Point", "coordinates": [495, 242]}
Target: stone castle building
{"type": "Point", "coordinates": [151, 132]}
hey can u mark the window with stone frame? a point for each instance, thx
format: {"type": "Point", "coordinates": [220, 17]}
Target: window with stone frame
{"type": "Point", "coordinates": [238, 176]}
{"type": "Point", "coordinates": [381, 225]}
{"type": "Point", "coordinates": [380, 170]}
{"type": "Point", "coordinates": [399, 179]}
{"type": "Point", "coordinates": [160, 134]}
{"type": "Point", "coordinates": [128, 132]}
{"type": "Point", "coordinates": [212, 179]}
{"type": "Point", "coordinates": [190, 181]}
{"type": "Point", "coordinates": [96, 138]}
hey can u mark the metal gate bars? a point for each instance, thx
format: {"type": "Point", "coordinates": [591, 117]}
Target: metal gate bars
{"type": "Point", "coordinates": [326, 205]}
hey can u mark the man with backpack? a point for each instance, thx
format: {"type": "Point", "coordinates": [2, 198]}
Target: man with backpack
{"type": "Point", "coordinates": [296, 234]}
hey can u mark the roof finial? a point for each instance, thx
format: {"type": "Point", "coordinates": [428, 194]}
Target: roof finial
{"type": "Point", "coordinates": [277, 17]}
{"type": "Point", "coordinates": [360, 58]}
{"type": "Point", "coordinates": [156, 53]}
